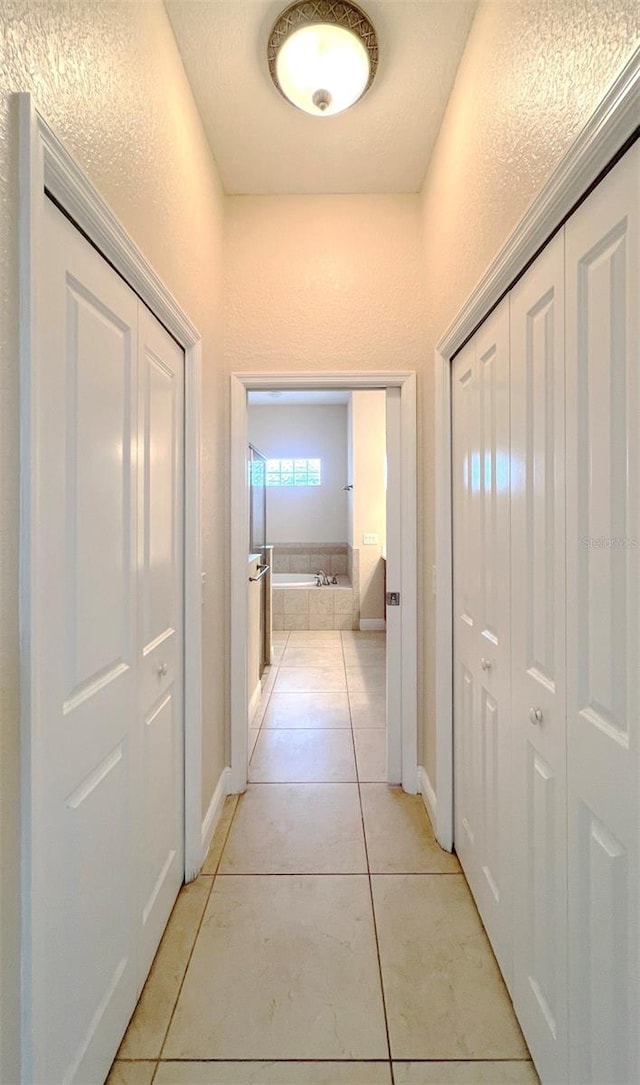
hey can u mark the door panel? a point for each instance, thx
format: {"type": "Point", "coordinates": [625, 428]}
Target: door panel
{"type": "Point", "coordinates": [106, 769]}
{"type": "Point", "coordinates": [160, 460]}
{"type": "Point", "coordinates": [603, 609]}
{"type": "Point", "coordinates": [538, 658]}
{"type": "Point", "coordinates": [481, 624]}
{"type": "Point", "coordinates": [84, 748]}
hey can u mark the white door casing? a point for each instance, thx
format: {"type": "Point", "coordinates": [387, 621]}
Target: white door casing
{"type": "Point", "coordinates": [603, 626]}
{"type": "Point", "coordinates": [482, 624]}
{"type": "Point", "coordinates": [403, 718]}
{"type": "Point", "coordinates": [538, 688]}
{"type": "Point", "coordinates": [393, 614]}
{"type": "Point", "coordinates": [99, 902]}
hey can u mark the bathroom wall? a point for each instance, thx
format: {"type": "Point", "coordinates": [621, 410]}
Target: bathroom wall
{"type": "Point", "coordinates": [109, 79]}
{"type": "Point", "coordinates": [369, 449]}
{"type": "Point", "coordinates": [530, 77]}
{"type": "Point", "coordinates": [306, 514]}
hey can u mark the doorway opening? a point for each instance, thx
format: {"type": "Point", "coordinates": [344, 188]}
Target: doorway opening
{"type": "Point", "coordinates": [317, 557]}
{"type": "Point", "coordinates": [338, 606]}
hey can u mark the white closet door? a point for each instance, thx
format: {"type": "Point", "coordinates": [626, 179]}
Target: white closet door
{"type": "Point", "coordinates": [105, 815]}
{"type": "Point", "coordinates": [603, 618]}
{"type": "Point", "coordinates": [481, 624]}
{"type": "Point", "coordinates": [538, 659]}
{"type": "Point", "coordinates": [85, 705]}
{"type": "Point", "coordinates": [160, 648]}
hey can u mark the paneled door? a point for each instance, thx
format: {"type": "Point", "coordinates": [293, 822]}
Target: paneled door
{"type": "Point", "coordinates": [160, 608]}
{"type": "Point", "coordinates": [481, 563]}
{"type": "Point", "coordinates": [106, 757]}
{"type": "Point", "coordinates": [603, 627]}
{"type": "Point", "coordinates": [538, 659]}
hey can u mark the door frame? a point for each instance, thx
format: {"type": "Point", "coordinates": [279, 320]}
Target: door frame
{"type": "Point", "coordinates": [605, 135]}
{"type": "Point", "coordinates": [46, 167]}
{"type": "Point", "coordinates": [353, 380]}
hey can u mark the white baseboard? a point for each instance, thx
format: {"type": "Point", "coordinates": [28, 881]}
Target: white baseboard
{"type": "Point", "coordinates": [255, 700]}
{"type": "Point", "coordinates": [373, 625]}
{"type": "Point", "coordinates": [429, 798]}
{"type": "Point", "coordinates": [212, 815]}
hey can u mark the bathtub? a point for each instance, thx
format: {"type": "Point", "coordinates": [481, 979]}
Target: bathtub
{"type": "Point", "coordinates": [293, 580]}
{"type": "Point", "coordinates": [298, 603]}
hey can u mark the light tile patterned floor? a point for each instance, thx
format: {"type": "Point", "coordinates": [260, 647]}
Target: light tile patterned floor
{"type": "Point", "coordinates": [329, 939]}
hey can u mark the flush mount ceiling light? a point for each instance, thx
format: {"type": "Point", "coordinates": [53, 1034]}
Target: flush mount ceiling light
{"type": "Point", "coordinates": [323, 55]}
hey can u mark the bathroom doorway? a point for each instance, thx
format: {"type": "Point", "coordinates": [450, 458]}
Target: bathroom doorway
{"type": "Point", "coordinates": [371, 648]}
{"type": "Point", "coordinates": [319, 712]}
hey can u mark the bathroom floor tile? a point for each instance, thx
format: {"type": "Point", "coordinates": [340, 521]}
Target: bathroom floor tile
{"type": "Point", "coordinates": [284, 967]}
{"type": "Point", "coordinates": [273, 1073]}
{"type": "Point", "coordinates": [366, 679]}
{"type": "Point", "coordinates": [371, 653]}
{"type": "Point", "coordinates": [148, 1026]}
{"type": "Point", "coordinates": [292, 756]}
{"type": "Point", "coordinates": [399, 836]}
{"type": "Point", "coordinates": [310, 679]}
{"type": "Point", "coordinates": [300, 655]}
{"type": "Point", "coordinates": [368, 709]}
{"type": "Point", "coordinates": [302, 710]}
{"type": "Point", "coordinates": [444, 994]}
{"type": "Point", "coordinates": [277, 651]}
{"type": "Point", "coordinates": [317, 637]}
{"type": "Point", "coordinates": [371, 754]}
{"type": "Point", "coordinates": [220, 835]}
{"type": "Point", "coordinates": [131, 1073]}
{"type": "Point", "coordinates": [253, 738]}
{"type": "Point", "coordinates": [296, 829]}
{"type": "Point", "coordinates": [465, 1073]}
{"type": "Point", "coordinates": [360, 636]}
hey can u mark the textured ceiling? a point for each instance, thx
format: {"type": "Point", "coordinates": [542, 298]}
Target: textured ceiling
{"type": "Point", "coordinates": [263, 145]}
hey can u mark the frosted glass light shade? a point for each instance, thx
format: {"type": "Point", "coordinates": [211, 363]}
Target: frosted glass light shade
{"type": "Point", "coordinates": [323, 69]}
{"type": "Point", "coordinates": [323, 55]}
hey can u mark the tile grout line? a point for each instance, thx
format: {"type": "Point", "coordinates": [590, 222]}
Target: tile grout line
{"type": "Point", "coordinates": [197, 934]}
{"type": "Point", "coordinates": [373, 911]}
{"type": "Point", "coordinates": [276, 667]}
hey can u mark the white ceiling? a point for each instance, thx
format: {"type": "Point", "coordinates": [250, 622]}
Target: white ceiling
{"type": "Point", "coordinates": [263, 145]}
{"type": "Point", "coordinates": [323, 398]}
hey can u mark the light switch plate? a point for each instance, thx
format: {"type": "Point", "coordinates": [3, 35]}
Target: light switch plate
{"type": "Point", "coordinates": [369, 539]}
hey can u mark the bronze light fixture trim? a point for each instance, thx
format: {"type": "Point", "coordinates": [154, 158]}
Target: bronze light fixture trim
{"type": "Point", "coordinates": [333, 59]}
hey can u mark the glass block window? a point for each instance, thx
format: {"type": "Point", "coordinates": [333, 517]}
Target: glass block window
{"type": "Point", "coordinates": [294, 472]}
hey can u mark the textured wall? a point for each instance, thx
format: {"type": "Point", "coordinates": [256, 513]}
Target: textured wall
{"type": "Point", "coordinates": [326, 282]}
{"type": "Point", "coordinates": [530, 77]}
{"type": "Point", "coordinates": [307, 514]}
{"type": "Point", "coordinates": [109, 79]}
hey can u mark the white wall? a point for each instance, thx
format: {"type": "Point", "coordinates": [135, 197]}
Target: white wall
{"type": "Point", "coordinates": [109, 79]}
{"type": "Point", "coordinates": [530, 77]}
{"type": "Point", "coordinates": [309, 513]}
{"type": "Point", "coordinates": [369, 448]}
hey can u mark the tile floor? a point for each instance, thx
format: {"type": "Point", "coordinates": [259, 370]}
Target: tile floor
{"type": "Point", "coordinates": [328, 940]}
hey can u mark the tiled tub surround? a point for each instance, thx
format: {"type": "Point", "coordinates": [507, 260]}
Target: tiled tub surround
{"type": "Point", "coordinates": [327, 607]}
{"type": "Point", "coordinates": [309, 557]}
{"type": "Point", "coordinates": [302, 607]}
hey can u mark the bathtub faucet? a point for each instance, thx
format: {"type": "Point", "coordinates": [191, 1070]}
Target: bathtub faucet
{"type": "Point", "coordinates": [322, 580]}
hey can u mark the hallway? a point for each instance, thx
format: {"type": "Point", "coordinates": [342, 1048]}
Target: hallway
{"type": "Point", "coordinates": [328, 940]}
